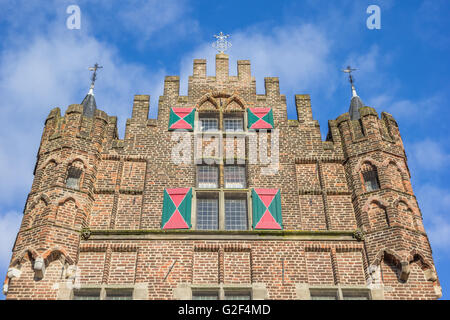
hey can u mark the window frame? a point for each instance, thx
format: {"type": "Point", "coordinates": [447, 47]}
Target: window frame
{"type": "Point", "coordinates": [236, 196]}
{"type": "Point", "coordinates": [371, 172]}
{"type": "Point", "coordinates": [222, 290]}
{"type": "Point", "coordinates": [234, 116]}
{"type": "Point", "coordinates": [118, 290]}
{"type": "Point", "coordinates": [80, 178]}
{"type": "Point", "coordinates": [244, 167]}
{"type": "Point", "coordinates": [221, 195]}
{"type": "Point", "coordinates": [87, 292]}
{"type": "Point", "coordinates": [341, 291]}
{"type": "Point", "coordinates": [217, 169]}
{"type": "Point", "coordinates": [139, 290]}
{"type": "Point", "coordinates": [206, 196]}
{"type": "Point", "coordinates": [208, 116]}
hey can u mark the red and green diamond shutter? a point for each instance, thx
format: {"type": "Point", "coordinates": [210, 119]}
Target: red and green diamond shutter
{"type": "Point", "coordinates": [177, 209]}
{"type": "Point", "coordinates": [260, 118]}
{"type": "Point", "coordinates": [267, 209]}
{"type": "Point", "coordinates": [182, 118]}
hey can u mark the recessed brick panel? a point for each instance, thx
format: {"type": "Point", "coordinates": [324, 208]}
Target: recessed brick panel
{"type": "Point", "coordinates": [312, 212]}
{"type": "Point", "coordinates": [320, 270]}
{"type": "Point", "coordinates": [128, 211]}
{"type": "Point", "coordinates": [307, 176]}
{"type": "Point", "coordinates": [351, 269]}
{"type": "Point", "coordinates": [133, 176]}
{"type": "Point", "coordinates": [107, 174]}
{"type": "Point", "coordinates": [334, 177]}
{"type": "Point", "coordinates": [237, 267]}
{"type": "Point", "coordinates": [101, 211]}
{"type": "Point", "coordinates": [91, 266]}
{"type": "Point", "coordinates": [206, 267]}
{"type": "Point", "coordinates": [122, 268]}
{"type": "Point", "coordinates": [341, 213]}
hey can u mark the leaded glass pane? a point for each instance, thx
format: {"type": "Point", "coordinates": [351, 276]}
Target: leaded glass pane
{"type": "Point", "coordinates": [235, 177]}
{"type": "Point", "coordinates": [205, 296]}
{"type": "Point", "coordinates": [119, 295]}
{"type": "Point", "coordinates": [238, 296]}
{"type": "Point", "coordinates": [233, 124]}
{"type": "Point", "coordinates": [236, 214]}
{"type": "Point", "coordinates": [207, 176]}
{"type": "Point", "coordinates": [86, 295]}
{"type": "Point", "coordinates": [208, 124]}
{"type": "Point", "coordinates": [207, 214]}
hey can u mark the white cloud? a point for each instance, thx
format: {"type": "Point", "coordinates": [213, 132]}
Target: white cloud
{"type": "Point", "coordinates": [406, 109]}
{"type": "Point", "coordinates": [51, 71]}
{"type": "Point", "coordinates": [9, 226]}
{"type": "Point", "coordinates": [140, 22]}
{"type": "Point", "coordinates": [428, 155]}
{"type": "Point", "coordinates": [435, 203]}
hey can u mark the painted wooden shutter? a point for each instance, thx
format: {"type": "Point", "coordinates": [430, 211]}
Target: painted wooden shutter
{"type": "Point", "coordinates": [177, 209]}
{"type": "Point", "coordinates": [260, 118]}
{"type": "Point", "coordinates": [182, 118]}
{"type": "Point", "coordinates": [267, 209]}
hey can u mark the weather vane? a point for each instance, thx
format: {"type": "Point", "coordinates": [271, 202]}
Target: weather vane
{"type": "Point", "coordinates": [94, 75]}
{"type": "Point", "coordinates": [349, 70]}
{"type": "Point", "coordinates": [221, 43]}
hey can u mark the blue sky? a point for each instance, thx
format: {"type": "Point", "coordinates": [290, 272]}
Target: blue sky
{"type": "Point", "coordinates": [403, 69]}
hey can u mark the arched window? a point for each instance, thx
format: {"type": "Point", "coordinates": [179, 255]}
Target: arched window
{"type": "Point", "coordinates": [74, 175]}
{"type": "Point", "coordinates": [370, 177]}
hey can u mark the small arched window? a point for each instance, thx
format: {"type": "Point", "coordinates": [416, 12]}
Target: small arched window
{"type": "Point", "coordinates": [74, 175]}
{"type": "Point", "coordinates": [370, 177]}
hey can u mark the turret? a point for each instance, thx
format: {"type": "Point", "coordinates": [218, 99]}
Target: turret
{"type": "Point", "coordinates": [386, 209]}
{"type": "Point", "coordinates": [60, 201]}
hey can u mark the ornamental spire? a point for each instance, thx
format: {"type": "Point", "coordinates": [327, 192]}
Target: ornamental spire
{"type": "Point", "coordinates": [349, 70]}
{"type": "Point", "coordinates": [93, 77]}
{"type": "Point", "coordinates": [356, 102]}
{"type": "Point", "coordinates": [89, 104]}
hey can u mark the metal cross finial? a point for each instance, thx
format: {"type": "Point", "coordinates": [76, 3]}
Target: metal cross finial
{"type": "Point", "coordinates": [349, 70]}
{"type": "Point", "coordinates": [221, 43]}
{"type": "Point", "coordinates": [94, 75]}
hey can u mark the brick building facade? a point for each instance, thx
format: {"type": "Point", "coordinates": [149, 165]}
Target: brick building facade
{"type": "Point", "coordinates": [111, 218]}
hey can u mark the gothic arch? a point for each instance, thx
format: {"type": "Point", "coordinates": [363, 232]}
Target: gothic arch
{"type": "Point", "coordinates": [212, 96]}
{"type": "Point", "coordinates": [55, 253]}
{"type": "Point", "coordinates": [234, 99]}
{"type": "Point", "coordinates": [207, 98]}
{"type": "Point", "coordinates": [409, 215]}
{"type": "Point", "coordinates": [406, 201]}
{"type": "Point", "coordinates": [396, 175]}
{"type": "Point", "coordinates": [80, 215]}
{"type": "Point", "coordinates": [43, 197]}
{"type": "Point", "coordinates": [29, 214]}
{"type": "Point", "coordinates": [399, 262]}
{"type": "Point", "coordinates": [52, 159]}
{"type": "Point", "coordinates": [416, 256]}
{"type": "Point", "coordinates": [29, 253]}
{"type": "Point", "coordinates": [365, 160]}
{"type": "Point", "coordinates": [403, 171]}
{"type": "Point", "coordinates": [375, 199]}
{"type": "Point", "coordinates": [81, 159]}
{"type": "Point", "coordinates": [376, 213]}
{"type": "Point", "coordinates": [47, 176]}
{"type": "Point", "coordinates": [387, 253]}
